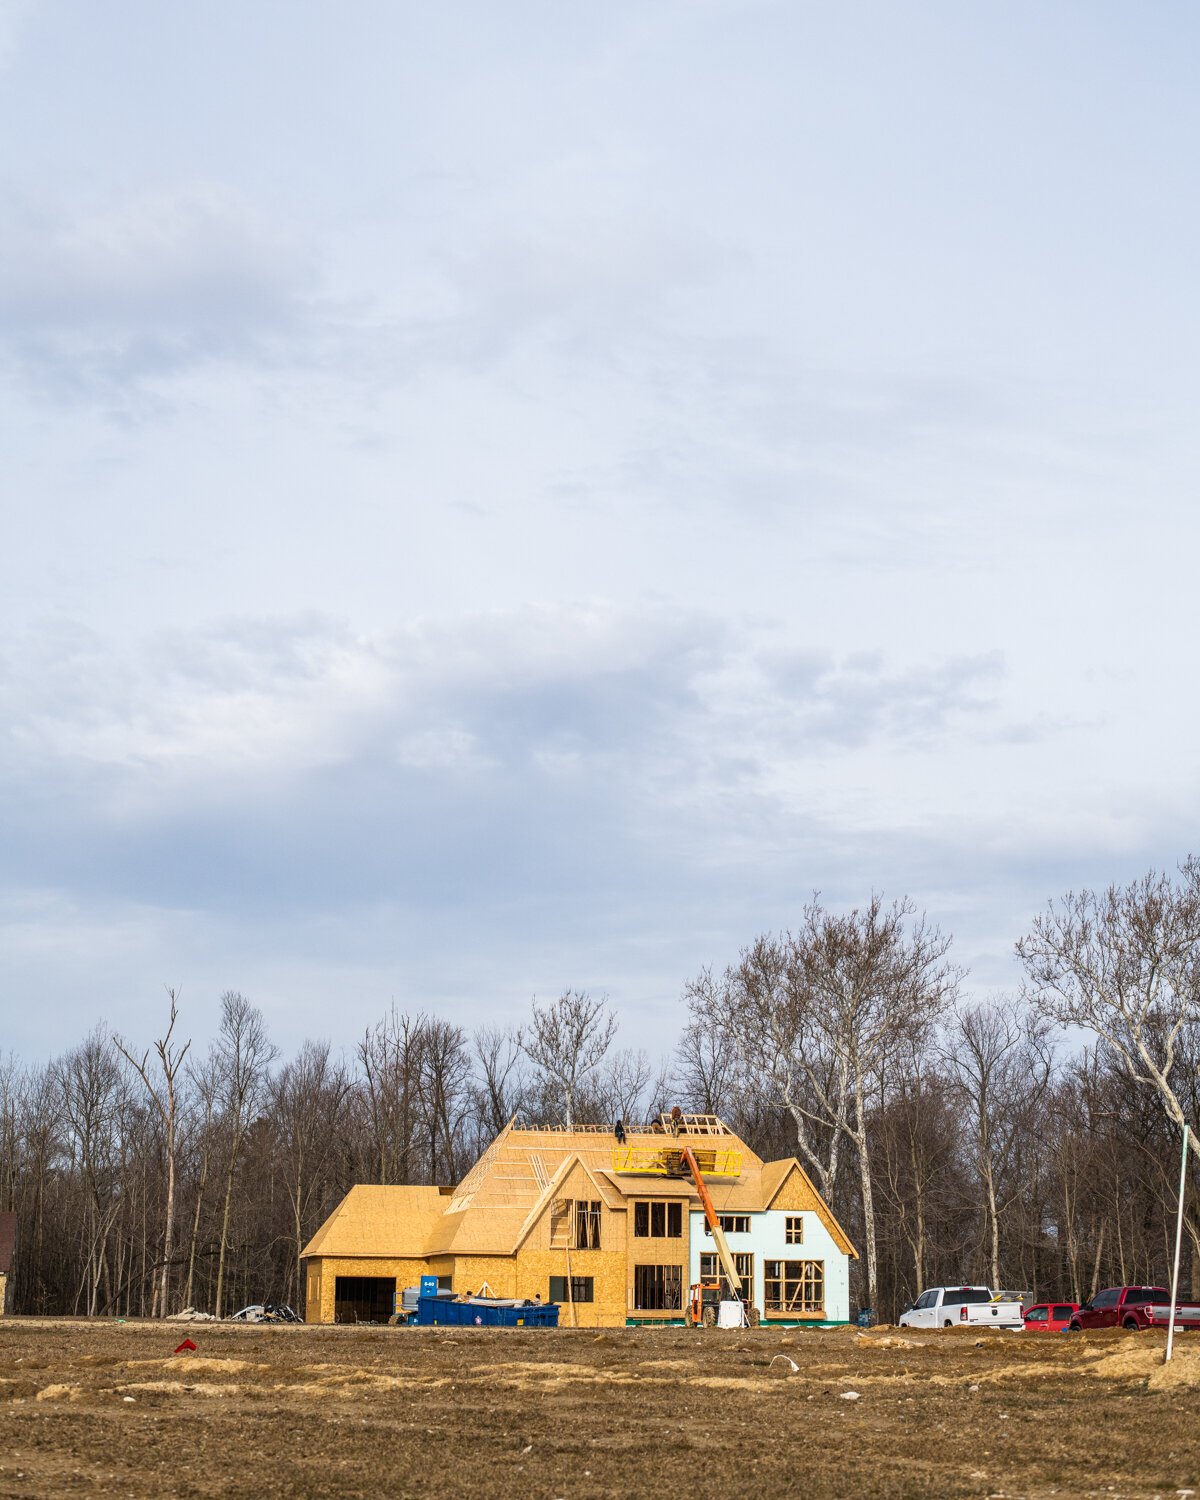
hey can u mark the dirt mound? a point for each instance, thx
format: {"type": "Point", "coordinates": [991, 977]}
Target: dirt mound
{"type": "Point", "coordinates": [1139, 1362]}
{"type": "Point", "coordinates": [196, 1364]}
{"type": "Point", "coordinates": [181, 1388]}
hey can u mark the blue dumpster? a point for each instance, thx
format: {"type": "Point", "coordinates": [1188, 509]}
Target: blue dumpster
{"type": "Point", "coordinates": [441, 1311]}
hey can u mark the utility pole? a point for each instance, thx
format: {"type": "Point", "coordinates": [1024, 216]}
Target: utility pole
{"type": "Point", "coordinates": [1178, 1241]}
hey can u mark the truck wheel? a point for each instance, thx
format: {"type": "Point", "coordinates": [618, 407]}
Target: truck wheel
{"type": "Point", "coordinates": [755, 1317]}
{"type": "Point", "coordinates": [1132, 1324]}
{"type": "Point", "coordinates": [948, 1323]}
{"type": "Point", "coordinates": [709, 1317]}
{"type": "Point", "coordinates": [1074, 1327]}
{"type": "Point", "coordinates": [689, 1319]}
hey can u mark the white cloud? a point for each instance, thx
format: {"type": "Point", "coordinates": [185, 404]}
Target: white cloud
{"type": "Point", "coordinates": [127, 293]}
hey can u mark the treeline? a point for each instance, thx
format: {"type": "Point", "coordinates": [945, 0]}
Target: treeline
{"type": "Point", "coordinates": [1030, 1141]}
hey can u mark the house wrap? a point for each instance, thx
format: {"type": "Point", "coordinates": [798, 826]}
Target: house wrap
{"type": "Point", "coordinates": [607, 1229]}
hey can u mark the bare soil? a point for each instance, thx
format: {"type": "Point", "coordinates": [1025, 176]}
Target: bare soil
{"type": "Point", "coordinates": [109, 1409]}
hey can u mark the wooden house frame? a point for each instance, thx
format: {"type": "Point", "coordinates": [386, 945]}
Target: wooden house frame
{"type": "Point", "coordinates": [577, 1218]}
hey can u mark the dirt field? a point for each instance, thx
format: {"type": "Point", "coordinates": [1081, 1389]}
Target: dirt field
{"type": "Point", "coordinates": [103, 1408]}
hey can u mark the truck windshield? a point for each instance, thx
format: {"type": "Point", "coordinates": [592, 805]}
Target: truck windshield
{"type": "Point", "coordinates": [1147, 1294]}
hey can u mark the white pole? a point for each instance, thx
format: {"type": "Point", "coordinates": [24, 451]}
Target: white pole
{"type": "Point", "coordinates": [1178, 1241]}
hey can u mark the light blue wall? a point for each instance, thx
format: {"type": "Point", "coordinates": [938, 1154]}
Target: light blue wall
{"type": "Point", "coordinates": [767, 1241]}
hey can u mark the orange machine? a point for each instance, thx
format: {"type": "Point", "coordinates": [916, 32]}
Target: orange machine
{"type": "Point", "coordinates": [704, 1296]}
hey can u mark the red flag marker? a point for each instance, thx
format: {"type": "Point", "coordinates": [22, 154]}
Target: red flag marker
{"type": "Point", "coordinates": [187, 1344]}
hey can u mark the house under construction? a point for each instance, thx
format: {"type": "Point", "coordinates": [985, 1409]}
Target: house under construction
{"type": "Point", "coordinates": [607, 1228]}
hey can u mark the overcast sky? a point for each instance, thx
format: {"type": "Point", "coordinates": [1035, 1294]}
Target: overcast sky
{"type": "Point", "coordinates": [504, 496]}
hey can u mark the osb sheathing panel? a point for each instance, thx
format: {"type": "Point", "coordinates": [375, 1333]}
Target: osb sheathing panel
{"type": "Point", "coordinates": [605, 1267]}
{"type": "Point", "coordinates": [499, 1271]}
{"type": "Point", "coordinates": [3, 1292]}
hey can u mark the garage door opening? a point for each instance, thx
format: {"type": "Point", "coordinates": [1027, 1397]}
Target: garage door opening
{"type": "Point", "coordinates": [364, 1299]}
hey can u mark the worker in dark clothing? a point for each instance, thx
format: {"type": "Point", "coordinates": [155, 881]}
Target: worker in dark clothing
{"type": "Point", "coordinates": [619, 1132]}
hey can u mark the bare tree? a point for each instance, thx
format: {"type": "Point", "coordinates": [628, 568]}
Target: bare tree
{"type": "Point", "coordinates": [784, 1055]}
{"type": "Point", "coordinates": [818, 1014]}
{"type": "Point", "coordinates": [444, 1096]}
{"type": "Point", "coordinates": [244, 1054]}
{"type": "Point", "coordinates": [309, 1098]}
{"type": "Point", "coordinates": [1125, 964]}
{"type": "Point", "coordinates": [623, 1086]}
{"type": "Point", "coordinates": [165, 1099]}
{"type": "Point", "coordinates": [501, 1088]}
{"type": "Point", "coordinates": [1001, 1061]}
{"type": "Point", "coordinates": [878, 981]}
{"type": "Point", "coordinates": [567, 1041]}
{"type": "Point", "coordinates": [391, 1058]}
{"type": "Point", "coordinates": [206, 1084]}
{"type": "Point", "coordinates": [91, 1080]}
{"type": "Point", "coordinates": [706, 1058]}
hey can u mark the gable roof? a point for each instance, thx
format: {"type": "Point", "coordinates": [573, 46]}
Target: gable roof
{"type": "Point", "coordinates": [389, 1222]}
{"type": "Point", "coordinates": [777, 1173]}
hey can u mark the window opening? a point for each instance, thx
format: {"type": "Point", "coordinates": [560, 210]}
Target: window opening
{"type": "Point", "coordinates": [587, 1225]}
{"type": "Point", "coordinates": [582, 1289]}
{"type": "Point", "coordinates": [658, 1220]}
{"type": "Point", "coordinates": [710, 1270]}
{"type": "Point", "coordinates": [658, 1288]}
{"type": "Point", "coordinates": [794, 1286]}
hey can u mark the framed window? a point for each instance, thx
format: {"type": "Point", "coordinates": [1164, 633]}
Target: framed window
{"type": "Point", "coordinates": [580, 1289]}
{"type": "Point", "coordinates": [710, 1270]}
{"type": "Point", "coordinates": [794, 1286]}
{"type": "Point", "coordinates": [586, 1225]}
{"type": "Point", "coordinates": [658, 1221]}
{"type": "Point", "coordinates": [732, 1224]}
{"type": "Point", "coordinates": [793, 1230]}
{"type": "Point", "coordinates": [658, 1288]}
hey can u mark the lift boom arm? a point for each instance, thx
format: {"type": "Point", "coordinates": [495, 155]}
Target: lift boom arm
{"type": "Point", "coordinates": [713, 1222]}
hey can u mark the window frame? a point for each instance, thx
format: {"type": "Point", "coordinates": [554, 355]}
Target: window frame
{"type": "Point", "coordinates": [657, 1219]}
{"type": "Point", "coordinates": [583, 1288]}
{"type": "Point", "coordinates": [790, 1279]}
{"type": "Point", "coordinates": [585, 1223]}
{"type": "Point", "coordinates": [793, 1229]}
{"type": "Point", "coordinates": [743, 1260]}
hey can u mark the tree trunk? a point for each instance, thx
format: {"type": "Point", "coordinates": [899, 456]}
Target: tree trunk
{"type": "Point", "coordinates": [989, 1184]}
{"type": "Point", "coordinates": [224, 1233]}
{"type": "Point", "coordinates": [187, 1296]}
{"type": "Point", "coordinates": [868, 1197]}
{"type": "Point", "coordinates": [169, 1236]}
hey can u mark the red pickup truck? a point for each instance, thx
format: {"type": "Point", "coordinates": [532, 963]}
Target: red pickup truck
{"type": "Point", "coordinates": [1133, 1307]}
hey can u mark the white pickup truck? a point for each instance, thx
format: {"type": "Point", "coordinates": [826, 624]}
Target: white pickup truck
{"type": "Point", "coordinates": [962, 1307]}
